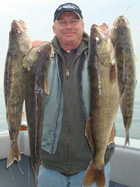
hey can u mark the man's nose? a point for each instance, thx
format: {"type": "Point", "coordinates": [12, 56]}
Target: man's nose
{"type": "Point", "coordinates": [69, 25]}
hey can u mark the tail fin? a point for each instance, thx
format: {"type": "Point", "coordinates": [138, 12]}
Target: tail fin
{"type": "Point", "coordinates": [94, 175]}
{"type": "Point", "coordinates": [14, 154]}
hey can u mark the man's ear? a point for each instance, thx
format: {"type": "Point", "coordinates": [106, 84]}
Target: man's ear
{"type": "Point", "coordinates": [53, 27]}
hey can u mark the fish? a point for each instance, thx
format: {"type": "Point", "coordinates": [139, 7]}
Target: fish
{"type": "Point", "coordinates": [125, 57]}
{"type": "Point", "coordinates": [37, 62]}
{"type": "Point", "coordinates": [103, 101]}
{"type": "Point", "coordinates": [14, 84]}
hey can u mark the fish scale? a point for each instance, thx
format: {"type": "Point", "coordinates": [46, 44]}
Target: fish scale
{"type": "Point", "coordinates": [122, 41]}
{"type": "Point", "coordinates": [37, 62]}
{"type": "Point", "coordinates": [104, 101]}
{"type": "Point", "coordinates": [14, 84]}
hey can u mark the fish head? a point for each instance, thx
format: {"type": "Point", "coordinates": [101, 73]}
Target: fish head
{"type": "Point", "coordinates": [42, 51]}
{"type": "Point", "coordinates": [121, 21]}
{"type": "Point", "coordinates": [18, 25]}
{"type": "Point", "coordinates": [120, 30]}
{"type": "Point", "coordinates": [19, 37]}
{"type": "Point", "coordinates": [45, 50]}
{"type": "Point", "coordinates": [100, 36]}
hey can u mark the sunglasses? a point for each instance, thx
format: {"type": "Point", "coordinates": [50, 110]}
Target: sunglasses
{"type": "Point", "coordinates": [68, 6]}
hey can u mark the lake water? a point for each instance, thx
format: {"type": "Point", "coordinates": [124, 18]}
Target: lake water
{"type": "Point", "coordinates": [120, 131]}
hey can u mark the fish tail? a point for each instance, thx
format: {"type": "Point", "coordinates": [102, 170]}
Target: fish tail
{"type": "Point", "coordinates": [127, 141]}
{"type": "Point", "coordinates": [94, 175]}
{"type": "Point", "coordinates": [14, 154]}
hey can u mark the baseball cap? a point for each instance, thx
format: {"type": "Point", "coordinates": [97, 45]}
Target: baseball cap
{"type": "Point", "coordinates": [66, 8]}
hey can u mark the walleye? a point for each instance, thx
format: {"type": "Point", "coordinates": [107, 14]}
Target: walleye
{"type": "Point", "coordinates": [14, 84]}
{"type": "Point", "coordinates": [104, 101]}
{"type": "Point", "coordinates": [122, 41]}
{"type": "Point", "coordinates": [38, 61]}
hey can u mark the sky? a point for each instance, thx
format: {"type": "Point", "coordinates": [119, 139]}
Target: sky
{"type": "Point", "coordinates": [38, 17]}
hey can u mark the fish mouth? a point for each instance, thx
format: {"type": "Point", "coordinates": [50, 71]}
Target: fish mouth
{"type": "Point", "coordinates": [14, 25]}
{"type": "Point", "coordinates": [102, 27]}
{"type": "Point", "coordinates": [103, 30]}
{"type": "Point", "coordinates": [18, 25]}
{"type": "Point", "coordinates": [121, 21]}
{"type": "Point", "coordinates": [21, 22]}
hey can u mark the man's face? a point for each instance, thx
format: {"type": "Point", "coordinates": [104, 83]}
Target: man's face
{"type": "Point", "coordinates": [69, 29]}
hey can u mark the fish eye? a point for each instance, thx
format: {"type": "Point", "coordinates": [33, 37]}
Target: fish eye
{"type": "Point", "coordinates": [116, 27]}
{"type": "Point", "coordinates": [18, 32]}
{"type": "Point", "coordinates": [39, 51]}
{"type": "Point", "coordinates": [97, 39]}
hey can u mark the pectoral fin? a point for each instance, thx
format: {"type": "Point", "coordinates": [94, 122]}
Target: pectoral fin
{"type": "Point", "coordinates": [47, 88]}
{"type": "Point", "coordinates": [136, 59]}
{"type": "Point", "coordinates": [88, 133]}
{"type": "Point", "coordinates": [112, 136]}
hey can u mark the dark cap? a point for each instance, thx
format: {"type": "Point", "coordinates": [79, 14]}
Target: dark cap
{"type": "Point", "coordinates": [67, 7]}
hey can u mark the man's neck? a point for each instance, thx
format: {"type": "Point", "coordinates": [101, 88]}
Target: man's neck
{"type": "Point", "coordinates": [69, 47]}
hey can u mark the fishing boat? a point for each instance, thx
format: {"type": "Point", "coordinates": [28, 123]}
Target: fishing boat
{"type": "Point", "coordinates": [125, 163]}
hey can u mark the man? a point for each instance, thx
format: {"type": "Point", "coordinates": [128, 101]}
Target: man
{"type": "Point", "coordinates": [65, 150]}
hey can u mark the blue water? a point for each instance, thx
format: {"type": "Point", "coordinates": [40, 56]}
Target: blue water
{"type": "Point", "coordinates": [120, 131]}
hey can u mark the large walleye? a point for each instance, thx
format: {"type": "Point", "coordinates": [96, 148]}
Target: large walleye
{"type": "Point", "coordinates": [37, 62]}
{"type": "Point", "coordinates": [14, 83]}
{"type": "Point", "coordinates": [104, 101]}
{"type": "Point", "coordinates": [121, 39]}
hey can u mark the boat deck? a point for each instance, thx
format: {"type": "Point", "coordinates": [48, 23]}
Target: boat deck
{"type": "Point", "coordinates": [125, 165]}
